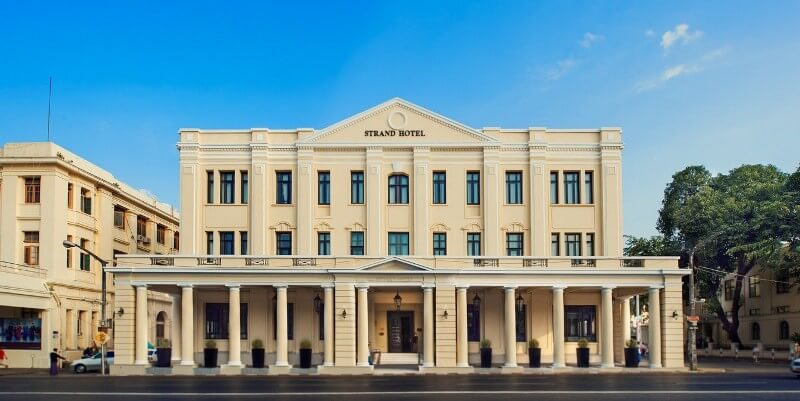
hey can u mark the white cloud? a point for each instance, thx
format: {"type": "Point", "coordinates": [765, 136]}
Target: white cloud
{"type": "Point", "coordinates": [590, 39]}
{"type": "Point", "coordinates": [649, 32]}
{"type": "Point", "coordinates": [682, 34]}
{"type": "Point", "coordinates": [561, 68]}
{"type": "Point", "coordinates": [666, 75]}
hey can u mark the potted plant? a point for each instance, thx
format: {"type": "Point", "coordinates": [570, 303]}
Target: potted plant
{"type": "Point", "coordinates": [795, 338]}
{"type": "Point", "coordinates": [486, 353]}
{"type": "Point", "coordinates": [631, 354]}
{"type": "Point", "coordinates": [163, 353]}
{"type": "Point", "coordinates": [258, 354]}
{"type": "Point", "coordinates": [583, 353]}
{"type": "Point", "coordinates": [210, 354]}
{"type": "Point", "coordinates": [534, 353]}
{"type": "Point", "coordinates": [305, 354]}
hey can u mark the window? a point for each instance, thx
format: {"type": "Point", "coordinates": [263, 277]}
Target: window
{"type": "Point", "coordinates": [398, 188]}
{"type": "Point", "coordinates": [70, 196]}
{"type": "Point", "coordinates": [588, 187]}
{"type": "Point", "coordinates": [161, 320]}
{"type": "Point", "coordinates": [217, 316]}
{"type": "Point", "coordinates": [323, 243]}
{"type": "Point", "coordinates": [554, 187]}
{"type": "Point", "coordinates": [69, 253]}
{"type": "Point", "coordinates": [119, 217]}
{"type": "Point", "coordinates": [522, 327]}
{"type": "Point", "coordinates": [289, 320]}
{"type": "Point", "coordinates": [81, 319]}
{"type": "Point", "coordinates": [141, 226]}
{"type": "Point", "coordinates": [32, 189]}
{"type": "Point", "coordinates": [473, 323]}
{"type": "Point", "coordinates": [356, 242]}
{"type": "Point", "coordinates": [439, 244]}
{"type": "Point", "coordinates": [783, 330]}
{"type": "Point", "coordinates": [209, 242]}
{"type": "Point", "coordinates": [209, 187]}
{"type": "Point", "coordinates": [226, 189]}
{"type": "Point", "coordinates": [324, 188]}
{"type": "Point", "coordinates": [514, 244]}
{"type": "Point", "coordinates": [555, 241]}
{"type": "Point", "coordinates": [755, 332]}
{"type": "Point", "coordinates": [473, 188]}
{"type": "Point", "coordinates": [226, 243]}
{"type": "Point", "coordinates": [439, 187]}
{"type": "Point", "coordinates": [86, 201]}
{"type": "Point", "coordinates": [474, 244]}
{"type": "Point", "coordinates": [782, 284]}
{"type": "Point", "coordinates": [580, 323]}
{"type": "Point", "coordinates": [728, 290]}
{"type": "Point", "coordinates": [31, 247]}
{"type": "Point", "coordinates": [321, 321]}
{"type": "Point", "coordinates": [245, 179]}
{"type": "Point", "coordinates": [86, 261]}
{"type": "Point", "coordinates": [161, 234]}
{"type": "Point", "coordinates": [754, 284]}
{"type": "Point", "coordinates": [357, 187]}
{"type": "Point", "coordinates": [176, 241]}
{"type": "Point", "coordinates": [571, 190]}
{"type": "Point", "coordinates": [284, 188]}
{"type": "Point", "coordinates": [243, 243]}
{"type": "Point", "coordinates": [514, 187]}
{"type": "Point", "coordinates": [590, 244]}
{"type": "Point", "coordinates": [398, 243]}
{"type": "Point", "coordinates": [573, 243]}
{"type": "Point", "coordinates": [284, 242]}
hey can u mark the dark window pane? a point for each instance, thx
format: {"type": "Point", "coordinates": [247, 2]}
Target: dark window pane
{"type": "Point", "coordinates": [324, 188]}
{"type": "Point", "coordinates": [324, 243]}
{"type": "Point", "coordinates": [284, 243]}
{"type": "Point", "coordinates": [439, 187]}
{"type": "Point", "coordinates": [226, 243]}
{"type": "Point", "coordinates": [473, 244]}
{"type": "Point", "coordinates": [357, 187]}
{"type": "Point", "coordinates": [579, 322]}
{"type": "Point", "coordinates": [398, 189]}
{"type": "Point", "coordinates": [514, 187]}
{"type": "Point", "coordinates": [226, 194]}
{"type": "Point", "coordinates": [514, 244]}
{"type": "Point", "coordinates": [571, 189]}
{"type": "Point", "coordinates": [473, 188]}
{"type": "Point", "coordinates": [283, 188]}
{"type": "Point", "coordinates": [473, 323]}
{"type": "Point", "coordinates": [357, 243]}
{"type": "Point", "coordinates": [439, 244]}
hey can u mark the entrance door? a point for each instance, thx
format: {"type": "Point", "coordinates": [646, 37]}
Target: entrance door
{"type": "Point", "coordinates": [401, 331]}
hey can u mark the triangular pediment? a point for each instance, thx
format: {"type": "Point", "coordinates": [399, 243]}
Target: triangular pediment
{"type": "Point", "coordinates": [394, 265]}
{"type": "Point", "coordinates": [398, 122]}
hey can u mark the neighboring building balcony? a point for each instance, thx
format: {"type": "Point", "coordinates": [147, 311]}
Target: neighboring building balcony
{"type": "Point", "coordinates": [444, 263]}
{"type": "Point", "coordinates": [22, 270]}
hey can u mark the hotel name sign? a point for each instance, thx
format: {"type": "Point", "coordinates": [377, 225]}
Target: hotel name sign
{"type": "Point", "coordinates": [396, 121]}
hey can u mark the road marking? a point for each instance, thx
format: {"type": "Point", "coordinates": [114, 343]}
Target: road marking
{"type": "Point", "coordinates": [356, 393]}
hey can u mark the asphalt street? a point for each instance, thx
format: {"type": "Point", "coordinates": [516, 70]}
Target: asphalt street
{"type": "Point", "coordinates": [774, 383]}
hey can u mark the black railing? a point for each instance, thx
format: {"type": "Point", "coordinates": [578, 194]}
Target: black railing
{"type": "Point", "coordinates": [256, 262]}
{"type": "Point", "coordinates": [534, 262]}
{"type": "Point", "coordinates": [209, 261]}
{"type": "Point", "coordinates": [486, 262]}
{"type": "Point", "coordinates": [304, 262]}
{"type": "Point", "coordinates": [631, 263]}
{"type": "Point", "coordinates": [583, 262]}
{"type": "Point", "coordinates": [161, 261]}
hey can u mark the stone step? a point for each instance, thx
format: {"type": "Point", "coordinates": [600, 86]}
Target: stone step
{"type": "Point", "coordinates": [399, 358]}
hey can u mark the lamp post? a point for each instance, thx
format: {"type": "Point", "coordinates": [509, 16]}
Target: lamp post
{"type": "Point", "coordinates": [69, 244]}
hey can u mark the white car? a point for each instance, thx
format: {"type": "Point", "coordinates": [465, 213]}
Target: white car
{"type": "Point", "coordinates": [795, 366]}
{"type": "Point", "coordinates": [91, 364]}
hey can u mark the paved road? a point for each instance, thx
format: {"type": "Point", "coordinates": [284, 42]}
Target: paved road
{"type": "Point", "coordinates": [765, 384]}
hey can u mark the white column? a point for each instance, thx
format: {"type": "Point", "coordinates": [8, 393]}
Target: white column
{"type": "Point", "coordinates": [607, 335]}
{"type": "Point", "coordinates": [511, 327]}
{"type": "Point", "coordinates": [282, 333]}
{"type": "Point", "coordinates": [329, 311]}
{"type": "Point", "coordinates": [362, 346]}
{"type": "Point", "coordinates": [427, 335]}
{"type": "Point", "coordinates": [626, 320]}
{"type": "Point", "coordinates": [654, 313]}
{"type": "Point", "coordinates": [187, 325]}
{"type": "Point", "coordinates": [558, 327]}
{"type": "Point", "coordinates": [462, 358]}
{"type": "Point", "coordinates": [234, 327]}
{"type": "Point", "coordinates": [140, 353]}
{"type": "Point", "coordinates": [175, 335]}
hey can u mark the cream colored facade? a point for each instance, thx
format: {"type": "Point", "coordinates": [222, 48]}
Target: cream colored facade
{"type": "Point", "coordinates": [48, 195]}
{"type": "Point", "coordinates": [444, 255]}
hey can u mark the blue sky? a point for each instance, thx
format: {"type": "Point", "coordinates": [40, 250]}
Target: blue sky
{"type": "Point", "coordinates": [713, 83]}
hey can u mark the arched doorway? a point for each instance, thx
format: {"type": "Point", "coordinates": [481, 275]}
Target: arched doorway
{"type": "Point", "coordinates": [161, 320]}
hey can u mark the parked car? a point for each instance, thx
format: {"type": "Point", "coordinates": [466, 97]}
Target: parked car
{"type": "Point", "coordinates": [91, 364]}
{"type": "Point", "coordinates": [795, 366]}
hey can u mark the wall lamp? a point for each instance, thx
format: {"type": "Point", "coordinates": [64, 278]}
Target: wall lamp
{"type": "Point", "coordinates": [344, 314]}
{"type": "Point", "coordinates": [445, 315]}
{"type": "Point", "coordinates": [674, 314]}
{"type": "Point", "coordinates": [120, 312]}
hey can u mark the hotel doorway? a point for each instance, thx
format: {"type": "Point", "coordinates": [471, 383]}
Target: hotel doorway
{"type": "Point", "coordinates": [401, 331]}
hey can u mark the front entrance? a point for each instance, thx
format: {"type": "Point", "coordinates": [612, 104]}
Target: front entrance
{"type": "Point", "coordinates": [401, 331]}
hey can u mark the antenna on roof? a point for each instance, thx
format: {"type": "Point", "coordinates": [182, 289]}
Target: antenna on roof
{"type": "Point", "coordinates": [49, 101]}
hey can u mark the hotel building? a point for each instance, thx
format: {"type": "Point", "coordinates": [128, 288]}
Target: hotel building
{"type": "Point", "coordinates": [401, 232]}
{"type": "Point", "coordinates": [50, 296]}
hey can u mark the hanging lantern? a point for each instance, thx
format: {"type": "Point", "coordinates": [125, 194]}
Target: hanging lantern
{"type": "Point", "coordinates": [317, 304]}
{"type": "Point", "coordinates": [520, 303]}
{"type": "Point", "coordinates": [397, 300]}
{"type": "Point", "coordinates": [476, 302]}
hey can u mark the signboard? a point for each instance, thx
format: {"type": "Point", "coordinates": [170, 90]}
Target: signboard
{"type": "Point", "coordinates": [101, 338]}
{"type": "Point", "coordinates": [20, 333]}
{"type": "Point", "coordinates": [693, 318]}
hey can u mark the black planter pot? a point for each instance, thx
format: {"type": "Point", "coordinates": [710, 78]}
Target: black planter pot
{"type": "Point", "coordinates": [534, 357]}
{"type": "Point", "coordinates": [486, 357]}
{"type": "Point", "coordinates": [164, 356]}
{"type": "Point", "coordinates": [305, 358]}
{"type": "Point", "coordinates": [258, 358]}
{"type": "Point", "coordinates": [210, 357]}
{"type": "Point", "coordinates": [632, 357]}
{"type": "Point", "coordinates": [583, 357]}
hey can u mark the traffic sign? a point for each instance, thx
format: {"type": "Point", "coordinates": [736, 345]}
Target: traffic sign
{"type": "Point", "coordinates": [693, 318]}
{"type": "Point", "coordinates": [101, 338]}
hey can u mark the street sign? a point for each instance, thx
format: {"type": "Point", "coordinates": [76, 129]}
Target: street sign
{"type": "Point", "coordinates": [101, 338]}
{"type": "Point", "coordinates": [693, 318]}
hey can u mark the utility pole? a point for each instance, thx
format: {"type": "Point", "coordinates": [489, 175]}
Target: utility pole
{"type": "Point", "coordinates": [692, 312]}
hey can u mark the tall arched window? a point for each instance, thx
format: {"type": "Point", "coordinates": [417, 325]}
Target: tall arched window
{"type": "Point", "coordinates": [398, 188]}
{"type": "Point", "coordinates": [783, 330]}
{"type": "Point", "coordinates": [161, 319]}
{"type": "Point", "coordinates": [755, 331]}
